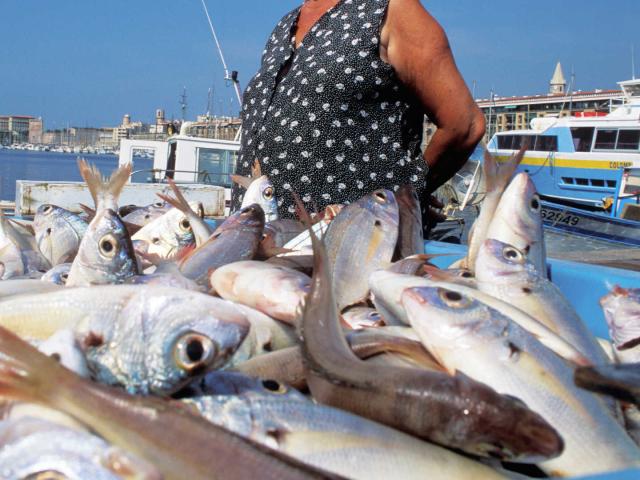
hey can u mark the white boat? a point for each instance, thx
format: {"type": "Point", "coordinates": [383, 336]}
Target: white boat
{"type": "Point", "coordinates": [577, 160]}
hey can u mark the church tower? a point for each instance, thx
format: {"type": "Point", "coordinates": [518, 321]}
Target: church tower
{"type": "Point", "coordinates": [558, 84]}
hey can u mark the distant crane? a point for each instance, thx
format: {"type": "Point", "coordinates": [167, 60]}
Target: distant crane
{"type": "Point", "coordinates": [183, 103]}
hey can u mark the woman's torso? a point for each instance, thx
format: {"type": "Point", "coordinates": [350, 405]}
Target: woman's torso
{"type": "Point", "coordinates": [330, 120]}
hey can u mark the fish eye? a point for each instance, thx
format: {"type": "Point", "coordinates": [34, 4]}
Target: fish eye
{"type": "Point", "coordinates": [466, 274]}
{"type": "Point", "coordinates": [511, 253]}
{"type": "Point", "coordinates": [535, 203]}
{"type": "Point", "coordinates": [194, 351]}
{"type": "Point", "coordinates": [47, 209]}
{"type": "Point", "coordinates": [185, 225]}
{"type": "Point", "coordinates": [453, 299]}
{"type": "Point", "coordinates": [373, 316]}
{"type": "Point", "coordinates": [46, 475]}
{"type": "Point", "coordinates": [380, 197]}
{"type": "Point", "coordinates": [158, 204]}
{"type": "Point", "coordinates": [64, 277]}
{"type": "Point", "coordinates": [48, 231]}
{"type": "Point", "coordinates": [147, 216]}
{"type": "Point", "coordinates": [274, 386]}
{"type": "Point", "coordinates": [155, 240]}
{"type": "Point", "coordinates": [108, 245]}
{"type": "Point", "coordinates": [268, 193]}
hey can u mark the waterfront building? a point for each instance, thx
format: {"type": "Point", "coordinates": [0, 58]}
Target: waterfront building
{"type": "Point", "coordinates": [15, 128]}
{"type": "Point", "coordinates": [35, 131]}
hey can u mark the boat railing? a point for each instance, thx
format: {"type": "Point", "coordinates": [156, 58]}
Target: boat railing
{"type": "Point", "coordinates": [159, 175]}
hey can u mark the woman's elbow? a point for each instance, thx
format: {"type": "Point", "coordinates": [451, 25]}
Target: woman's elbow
{"type": "Point", "coordinates": [475, 131]}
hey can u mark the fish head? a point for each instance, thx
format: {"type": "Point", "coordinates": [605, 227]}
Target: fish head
{"type": "Point", "coordinates": [384, 206]}
{"type": "Point", "coordinates": [57, 238]}
{"type": "Point", "coordinates": [64, 347]}
{"type": "Point", "coordinates": [621, 309]}
{"type": "Point", "coordinates": [189, 345]}
{"type": "Point", "coordinates": [166, 235]}
{"type": "Point", "coordinates": [106, 252]}
{"type": "Point", "coordinates": [58, 274]}
{"type": "Point", "coordinates": [262, 192]}
{"type": "Point", "coordinates": [250, 217]}
{"type": "Point", "coordinates": [500, 262]}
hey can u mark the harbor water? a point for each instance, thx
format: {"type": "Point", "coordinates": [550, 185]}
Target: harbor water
{"type": "Point", "coordinates": [53, 166]}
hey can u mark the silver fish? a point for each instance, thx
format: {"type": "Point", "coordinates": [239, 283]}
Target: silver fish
{"type": "Point", "coordinates": [504, 272]}
{"type": "Point", "coordinates": [58, 275]}
{"type": "Point", "coordinates": [260, 191]}
{"type": "Point", "coordinates": [237, 238]}
{"type": "Point", "coordinates": [144, 215]}
{"type": "Point", "coordinates": [467, 336]}
{"type": "Point", "coordinates": [518, 221]}
{"type": "Point", "coordinates": [147, 339]}
{"type": "Point", "coordinates": [410, 234]}
{"type": "Point", "coordinates": [360, 240]}
{"type": "Point", "coordinates": [58, 233]}
{"type": "Point", "coordinates": [167, 236]}
{"type": "Point", "coordinates": [19, 254]}
{"type": "Point", "coordinates": [362, 317]}
{"type": "Point", "coordinates": [273, 290]}
{"type": "Point", "coordinates": [622, 311]}
{"type": "Point", "coordinates": [15, 286]}
{"type": "Point", "coordinates": [106, 254]}
{"type": "Point", "coordinates": [272, 414]}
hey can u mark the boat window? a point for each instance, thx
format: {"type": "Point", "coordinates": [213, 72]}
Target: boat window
{"type": "Point", "coordinates": [612, 183]}
{"type": "Point", "coordinates": [582, 138]}
{"type": "Point", "coordinates": [568, 180]}
{"type": "Point", "coordinates": [546, 143]}
{"type": "Point", "coordinates": [628, 140]}
{"type": "Point", "coordinates": [606, 139]}
{"type": "Point", "coordinates": [515, 142]}
{"type": "Point", "coordinates": [215, 166]}
{"type": "Point", "coordinates": [582, 181]}
{"type": "Point", "coordinates": [505, 142]}
{"type": "Point", "coordinates": [171, 161]}
{"type": "Point", "coordinates": [597, 182]}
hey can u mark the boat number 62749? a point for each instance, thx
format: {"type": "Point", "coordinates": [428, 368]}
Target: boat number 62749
{"type": "Point", "coordinates": [559, 217]}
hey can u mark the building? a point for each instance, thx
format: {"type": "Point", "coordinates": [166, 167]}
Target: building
{"type": "Point", "coordinates": [35, 130]}
{"type": "Point", "coordinates": [127, 129]}
{"type": "Point", "coordinates": [220, 128]}
{"type": "Point", "coordinates": [15, 129]}
{"type": "Point", "coordinates": [516, 113]}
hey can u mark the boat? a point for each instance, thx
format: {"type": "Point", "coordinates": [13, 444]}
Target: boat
{"type": "Point", "coordinates": [577, 160]}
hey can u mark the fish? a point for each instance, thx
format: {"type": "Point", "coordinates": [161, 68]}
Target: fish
{"type": "Point", "coordinates": [360, 240]}
{"type": "Point", "coordinates": [410, 233]}
{"type": "Point", "coordinates": [105, 255]}
{"type": "Point", "coordinates": [141, 216]}
{"type": "Point", "coordinates": [273, 290]}
{"type": "Point", "coordinates": [167, 236]}
{"type": "Point", "coordinates": [175, 441]}
{"type": "Point", "coordinates": [518, 221]}
{"type": "Point", "coordinates": [496, 177]}
{"type": "Point", "coordinates": [19, 254]}
{"type": "Point", "coordinates": [621, 309]}
{"type": "Point", "coordinates": [276, 416]}
{"type": "Point", "coordinates": [413, 265]}
{"type": "Point", "coordinates": [505, 272]}
{"type": "Point", "coordinates": [146, 339]}
{"type": "Point", "coordinates": [260, 191]}
{"type": "Point", "coordinates": [199, 227]}
{"type": "Point", "coordinates": [58, 233]}
{"type": "Point", "coordinates": [462, 276]}
{"type": "Point", "coordinates": [469, 337]}
{"type": "Point", "coordinates": [166, 274]}
{"type": "Point", "coordinates": [621, 382]}
{"type": "Point", "coordinates": [236, 239]}
{"type": "Point", "coordinates": [57, 275]}
{"type": "Point", "coordinates": [387, 288]}
{"type": "Point", "coordinates": [358, 318]}
{"type": "Point", "coordinates": [32, 448]}
{"type": "Point", "coordinates": [451, 410]}
{"type": "Point", "coordinates": [13, 286]}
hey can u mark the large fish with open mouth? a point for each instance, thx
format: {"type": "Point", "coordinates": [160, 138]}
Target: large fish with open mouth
{"type": "Point", "coordinates": [106, 254]}
{"type": "Point", "coordinates": [260, 191]}
{"type": "Point", "coordinates": [504, 272]}
{"type": "Point", "coordinates": [469, 337]}
{"type": "Point", "coordinates": [176, 442]}
{"type": "Point", "coordinates": [272, 414]}
{"type": "Point", "coordinates": [518, 222]}
{"type": "Point", "coordinates": [450, 410]}
{"type": "Point", "coordinates": [58, 233]}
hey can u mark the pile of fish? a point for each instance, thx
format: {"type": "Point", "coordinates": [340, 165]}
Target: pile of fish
{"type": "Point", "coordinates": [141, 342]}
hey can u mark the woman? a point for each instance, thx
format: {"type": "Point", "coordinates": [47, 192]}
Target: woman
{"type": "Point", "coordinates": [336, 109]}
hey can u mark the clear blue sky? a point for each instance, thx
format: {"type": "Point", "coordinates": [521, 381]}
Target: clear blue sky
{"type": "Point", "coordinates": [88, 62]}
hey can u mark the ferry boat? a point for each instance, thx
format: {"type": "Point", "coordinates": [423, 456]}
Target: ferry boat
{"type": "Point", "coordinates": [577, 161]}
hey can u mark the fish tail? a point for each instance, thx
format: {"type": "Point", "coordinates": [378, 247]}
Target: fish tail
{"type": "Point", "coordinates": [256, 169]}
{"type": "Point", "coordinates": [105, 192]}
{"type": "Point", "coordinates": [498, 174]}
{"type": "Point", "coordinates": [179, 201]}
{"type": "Point", "coordinates": [26, 374]}
{"type": "Point", "coordinates": [92, 177]}
{"type": "Point", "coordinates": [118, 180]}
{"type": "Point", "coordinates": [242, 181]}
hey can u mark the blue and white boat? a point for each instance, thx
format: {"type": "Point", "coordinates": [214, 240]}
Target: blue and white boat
{"type": "Point", "coordinates": [578, 161]}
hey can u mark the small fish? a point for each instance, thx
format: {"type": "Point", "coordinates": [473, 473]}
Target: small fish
{"type": "Point", "coordinates": [496, 178]}
{"type": "Point", "coordinates": [199, 227]}
{"type": "Point", "coordinates": [176, 442]}
{"type": "Point", "coordinates": [273, 290]}
{"type": "Point", "coordinates": [58, 233]}
{"type": "Point", "coordinates": [19, 254]}
{"type": "Point", "coordinates": [105, 255]}
{"type": "Point", "coordinates": [362, 317]}
{"type": "Point", "coordinates": [236, 239]}
{"type": "Point", "coordinates": [58, 275]}
{"type": "Point", "coordinates": [504, 272]}
{"type": "Point", "coordinates": [518, 221]}
{"type": "Point", "coordinates": [359, 241]}
{"type": "Point", "coordinates": [167, 236]}
{"type": "Point", "coordinates": [260, 191]}
{"type": "Point", "coordinates": [621, 310]}
{"type": "Point", "coordinates": [144, 338]}
{"type": "Point", "coordinates": [454, 411]}
{"type": "Point", "coordinates": [15, 286]}
{"type": "Point", "coordinates": [281, 418]}
{"type": "Point", "coordinates": [143, 215]}
{"type": "Point", "coordinates": [469, 337]}
{"type": "Point", "coordinates": [410, 234]}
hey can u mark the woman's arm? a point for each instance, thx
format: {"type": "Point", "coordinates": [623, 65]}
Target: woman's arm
{"type": "Point", "coordinates": [416, 46]}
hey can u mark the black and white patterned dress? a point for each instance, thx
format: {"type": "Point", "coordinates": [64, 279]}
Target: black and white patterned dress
{"type": "Point", "coordinates": [330, 120]}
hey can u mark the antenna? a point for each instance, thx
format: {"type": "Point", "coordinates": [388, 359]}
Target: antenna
{"type": "Point", "coordinates": [209, 100]}
{"type": "Point", "coordinates": [183, 103]}
{"type": "Point", "coordinates": [633, 62]}
{"type": "Point", "coordinates": [233, 76]}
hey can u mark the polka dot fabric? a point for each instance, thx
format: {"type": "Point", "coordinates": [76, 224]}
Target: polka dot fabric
{"type": "Point", "coordinates": [330, 120]}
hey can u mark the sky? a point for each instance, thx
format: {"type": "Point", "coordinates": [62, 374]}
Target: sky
{"type": "Point", "coordinates": [88, 62]}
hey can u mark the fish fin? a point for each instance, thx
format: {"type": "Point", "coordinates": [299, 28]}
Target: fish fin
{"type": "Point", "coordinates": [304, 216]}
{"type": "Point", "coordinates": [104, 192]}
{"type": "Point", "coordinates": [92, 177]}
{"type": "Point", "coordinates": [26, 374]}
{"type": "Point", "coordinates": [242, 181]}
{"type": "Point", "coordinates": [89, 212]}
{"type": "Point", "coordinates": [268, 252]}
{"type": "Point", "coordinates": [179, 201]}
{"type": "Point", "coordinates": [154, 259]}
{"type": "Point", "coordinates": [256, 169]}
{"type": "Point", "coordinates": [28, 228]}
{"type": "Point", "coordinates": [118, 180]}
